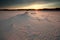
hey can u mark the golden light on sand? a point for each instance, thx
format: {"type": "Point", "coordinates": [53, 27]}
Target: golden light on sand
{"type": "Point", "coordinates": [34, 14]}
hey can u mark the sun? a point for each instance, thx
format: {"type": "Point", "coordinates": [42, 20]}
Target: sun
{"type": "Point", "coordinates": [34, 6]}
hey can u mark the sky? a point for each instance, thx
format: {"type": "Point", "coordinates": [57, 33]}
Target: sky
{"type": "Point", "coordinates": [29, 4]}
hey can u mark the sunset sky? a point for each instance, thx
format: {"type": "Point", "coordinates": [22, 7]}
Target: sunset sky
{"type": "Point", "coordinates": [29, 4]}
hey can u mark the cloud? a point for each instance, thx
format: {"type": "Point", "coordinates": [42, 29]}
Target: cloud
{"type": "Point", "coordinates": [7, 3]}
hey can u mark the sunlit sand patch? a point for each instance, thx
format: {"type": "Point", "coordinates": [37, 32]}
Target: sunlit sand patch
{"type": "Point", "coordinates": [38, 15]}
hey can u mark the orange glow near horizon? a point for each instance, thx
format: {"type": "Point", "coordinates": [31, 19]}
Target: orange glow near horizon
{"type": "Point", "coordinates": [31, 6]}
{"type": "Point", "coordinates": [34, 6]}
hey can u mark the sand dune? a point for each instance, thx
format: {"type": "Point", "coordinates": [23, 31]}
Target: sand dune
{"type": "Point", "coordinates": [31, 25]}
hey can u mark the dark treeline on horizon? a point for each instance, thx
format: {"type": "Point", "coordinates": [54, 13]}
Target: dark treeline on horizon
{"type": "Point", "coordinates": [45, 9]}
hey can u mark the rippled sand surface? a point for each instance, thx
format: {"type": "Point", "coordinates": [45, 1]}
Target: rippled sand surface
{"type": "Point", "coordinates": [30, 25]}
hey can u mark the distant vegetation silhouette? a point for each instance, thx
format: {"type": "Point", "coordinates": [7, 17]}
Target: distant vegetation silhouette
{"type": "Point", "coordinates": [45, 9]}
